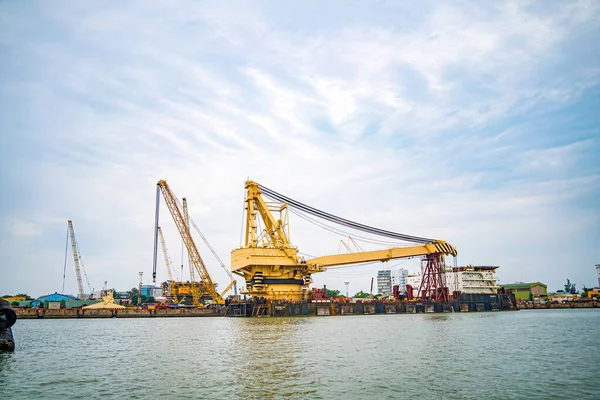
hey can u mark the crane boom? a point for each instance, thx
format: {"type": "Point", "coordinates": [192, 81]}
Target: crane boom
{"type": "Point", "coordinates": [165, 254]}
{"type": "Point", "coordinates": [434, 247]}
{"type": "Point", "coordinates": [76, 259]}
{"type": "Point", "coordinates": [205, 280]}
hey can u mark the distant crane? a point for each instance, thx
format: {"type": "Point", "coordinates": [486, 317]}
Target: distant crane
{"type": "Point", "coordinates": [205, 284]}
{"type": "Point", "coordinates": [170, 284]}
{"type": "Point", "coordinates": [165, 253]}
{"type": "Point", "coordinates": [77, 261]}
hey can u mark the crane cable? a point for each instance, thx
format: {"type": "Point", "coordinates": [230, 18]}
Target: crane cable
{"type": "Point", "coordinates": [212, 250]}
{"type": "Point", "coordinates": [341, 221]}
{"type": "Point", "coordinates": [83, 267]}
{"type": "Point", "coordinates": [341, 232]}
{"type": "Point", "coordinates": [65, 266]}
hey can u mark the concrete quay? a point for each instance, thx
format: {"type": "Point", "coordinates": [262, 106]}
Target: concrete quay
{"type": "Point", "coordinates": [554, 306]}
{"type": "Point", "coordinates": [126, 313]}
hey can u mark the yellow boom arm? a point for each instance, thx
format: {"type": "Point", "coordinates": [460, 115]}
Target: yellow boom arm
{"type": "Point", "coordinates": [438, 246]}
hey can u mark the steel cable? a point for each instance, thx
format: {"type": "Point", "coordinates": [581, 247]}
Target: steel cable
{"type": "Point", "coordinates": [341, 221]}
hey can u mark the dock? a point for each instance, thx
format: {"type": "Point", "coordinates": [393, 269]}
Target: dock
{"type": "Point", "coordinates": [466, 303]}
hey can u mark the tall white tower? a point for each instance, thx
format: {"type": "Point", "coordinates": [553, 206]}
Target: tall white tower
{"type": "Point", "coordinates": [598, 271]}
{"type": "Point", "coordinates": [140, 290]}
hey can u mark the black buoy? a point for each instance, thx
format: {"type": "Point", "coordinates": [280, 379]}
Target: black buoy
{"type": "Point", "coordinates": [8, 317]}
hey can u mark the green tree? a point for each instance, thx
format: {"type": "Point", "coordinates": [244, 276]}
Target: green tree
{"type": "Point", "coordinates": [362, 295]}
{"type": "Point", "coordinates": [133, 296]}
{"type": "Point", "coordinates": [334, 293]}
{"type": "Point", "coordinates": [570, 287]}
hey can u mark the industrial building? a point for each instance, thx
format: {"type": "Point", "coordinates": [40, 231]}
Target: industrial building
{"type": "Point", "coordinates": [76, 303]}
{"type": "Point", "coordinates": [527, 291]}
{"type": "Point", "coordinates": [152, 291]}
{"type": "Point", "coordinates": [51, 300]}
{"type": "Point", "coordinates": [384, 282]}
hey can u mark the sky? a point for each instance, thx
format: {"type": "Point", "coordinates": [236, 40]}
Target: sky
{"type": "Point", "coordinates": [472, 122]}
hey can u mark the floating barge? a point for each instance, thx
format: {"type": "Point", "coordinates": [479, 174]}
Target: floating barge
{"type": "Point", "coordinates": [465, 303]}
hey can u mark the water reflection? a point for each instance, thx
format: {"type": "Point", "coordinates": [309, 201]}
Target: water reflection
{"type": "Point", "coordinates": [273, 354]}
{"type": "Point", "coordinates": [435, 318]}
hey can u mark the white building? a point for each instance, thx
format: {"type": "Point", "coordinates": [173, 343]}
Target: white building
{"type": "Point", "coordinates": [399, 278]}
{"type": "Point", "coordinates": [598, 271]}
{"type": "Point", "coordinates": [466, 279]}
{"type": "Point", "coordinates": [414, 280]}
{"type": "Point", "coordinates": [384, 282]}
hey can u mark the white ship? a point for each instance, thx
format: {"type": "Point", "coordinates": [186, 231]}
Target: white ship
{"type": "Point", "coordinates": [466, 279]}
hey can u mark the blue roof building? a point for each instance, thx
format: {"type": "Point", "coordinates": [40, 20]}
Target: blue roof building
{"type": "Point", "coordinates": [55, 297]}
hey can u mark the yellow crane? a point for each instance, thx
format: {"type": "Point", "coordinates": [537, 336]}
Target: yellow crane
{"type": "Point", "coordinates": [205, 283]}
{"type": "Point", "coordinates": [271, 265]}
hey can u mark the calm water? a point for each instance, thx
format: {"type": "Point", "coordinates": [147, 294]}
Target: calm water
{"type": "Point", "coordinates": [525, 354]}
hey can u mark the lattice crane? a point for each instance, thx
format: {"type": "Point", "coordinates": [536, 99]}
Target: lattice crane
{"type": "Point", "coordinates": [206, 284]}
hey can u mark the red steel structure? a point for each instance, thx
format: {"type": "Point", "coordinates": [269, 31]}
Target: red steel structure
{"type": "Point", "coordinates": [433, 285]}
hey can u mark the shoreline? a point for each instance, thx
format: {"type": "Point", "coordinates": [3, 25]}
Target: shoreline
{"type": "Point", "coordinates": [327, 308]}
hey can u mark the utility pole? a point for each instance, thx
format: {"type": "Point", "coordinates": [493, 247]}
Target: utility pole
{"type": "Point", "coordinates": [140, 290]}
{"type": "Point", "coordinates": [371, 292]}
{"type": "Point", "coordinates": [347, 283]}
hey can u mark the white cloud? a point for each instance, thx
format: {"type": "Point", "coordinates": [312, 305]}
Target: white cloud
{"type": "Point", "coordinates": [24, 228]}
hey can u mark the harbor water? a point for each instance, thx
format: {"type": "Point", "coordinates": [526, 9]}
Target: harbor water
{"type": "Point", "coordinates": [494, 355]}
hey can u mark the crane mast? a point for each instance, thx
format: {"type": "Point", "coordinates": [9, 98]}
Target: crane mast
{"type": "Point", "coordinates": [206, 284]}
{"type": "Point", "coordinates": [76, 259]}
{"type": "Point", "coordinates": [186, 217]}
